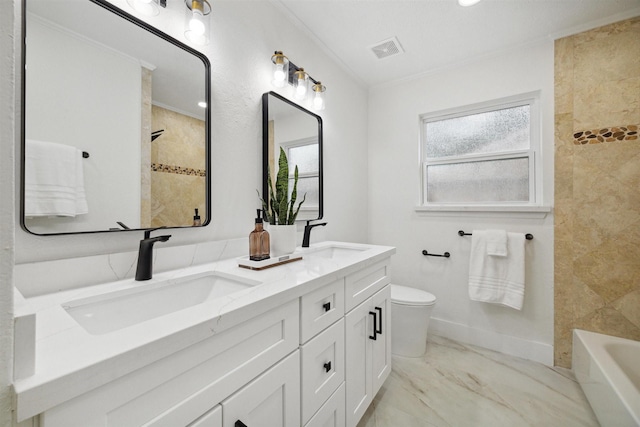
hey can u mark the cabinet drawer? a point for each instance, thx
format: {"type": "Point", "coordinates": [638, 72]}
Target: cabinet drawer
{"type": "Point", "coordinates": [320, 308]}
{"type": "Point", "coordinates": [363, 284]}
{"type": "Point", "coordinates": [271, 400]}
{"type": "Point", "coordinates": [213, 418]}
{"type": "Point", "coordinates": [331, 414]}
{"type": "Point", "coordinates": [322, 368]}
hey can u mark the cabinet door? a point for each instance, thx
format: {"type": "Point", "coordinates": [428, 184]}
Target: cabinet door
{"type": "Point", "coordinates": [381, 347]}
{"type": "Point", "coordinates": [213, 418]}
{"type": "Point", "coordinates": [358, 378]}
{"type": "Point", "coordinates": [271, 400]}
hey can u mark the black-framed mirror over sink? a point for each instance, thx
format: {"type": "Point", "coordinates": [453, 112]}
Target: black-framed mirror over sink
{"type": "Point", "coordinates": [115, 129]}
{"type": "Point", "coordinates": [298, 132]}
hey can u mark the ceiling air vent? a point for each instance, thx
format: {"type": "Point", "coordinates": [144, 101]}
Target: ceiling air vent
{"type": "Point", "coordinates": [387, 48]}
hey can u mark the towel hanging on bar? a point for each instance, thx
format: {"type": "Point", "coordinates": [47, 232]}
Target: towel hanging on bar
{"type": "Point", "coordinates": [527, 236]}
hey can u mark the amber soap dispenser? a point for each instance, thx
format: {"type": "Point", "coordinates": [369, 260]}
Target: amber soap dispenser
{"type": "Point", "coordinates": [259, 241]}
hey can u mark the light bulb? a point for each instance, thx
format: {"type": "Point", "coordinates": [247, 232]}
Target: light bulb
{"type": "Point", "coordinates": [301, 89]}
{"type": "Point", "coordinates": [466, 3]}
{"type": "Point", "coordinates": [278, 74]}
{"type": "Point", "coordinates": [318, 102]}
{"type": "Point", "coordinates": [144, 7]}
{"type": "Point", "coordinates": [196, 24]}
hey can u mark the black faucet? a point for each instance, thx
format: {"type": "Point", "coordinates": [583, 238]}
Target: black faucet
{"type": "Point", "coordinates": [145, 254]}
{"type": "Point", "coordinates": [307, 232]}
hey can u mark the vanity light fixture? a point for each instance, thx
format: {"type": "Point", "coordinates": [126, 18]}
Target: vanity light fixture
{"type": "Point", "coordinates": [147, 7]}
{"type": "Point", "coordinates": [285, 71]}
{"type": "Point", "coordinates": [466, 3]}
{"type": "Point", "coordinates": [318, 97]}
{"type": "Point", "coordinates": [280, 69]}
{"type": "Point", "coordinates": [196, 21]}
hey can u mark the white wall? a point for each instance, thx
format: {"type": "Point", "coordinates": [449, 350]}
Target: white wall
{"type": "Point", "coordinates": [244, 35]}
{"type": "Point", "coordinates": [8, 135]}
{"type": "Point", "coordinates": [394, 189]}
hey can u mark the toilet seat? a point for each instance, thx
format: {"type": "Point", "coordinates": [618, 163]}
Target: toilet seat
{"type": "Point", "coordinates": [404, 295]}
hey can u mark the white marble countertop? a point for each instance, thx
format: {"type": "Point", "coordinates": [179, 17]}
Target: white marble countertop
{"type": "Point", "coordinates": [69, 361]}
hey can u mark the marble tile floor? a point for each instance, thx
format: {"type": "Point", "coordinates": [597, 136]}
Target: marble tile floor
{"type": "Point", "coordinates": [459, 385]}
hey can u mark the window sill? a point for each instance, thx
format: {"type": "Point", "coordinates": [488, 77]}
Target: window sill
{"type": "Point", "coordinates": [513, 211]}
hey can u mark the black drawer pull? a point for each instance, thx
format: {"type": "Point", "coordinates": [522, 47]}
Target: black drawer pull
{"type": "Point", "coordinates": [326, 306]}
{"type": "Point", "coordinates": [239, 424]}
{"type": "Point", "coordinates": [375, 322]}
{"type": "Point", "coordinates": [327, 366]}
{"type": "Point", "coordinates": [379, 329]}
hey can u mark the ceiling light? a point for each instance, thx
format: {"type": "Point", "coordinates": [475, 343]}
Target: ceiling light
{"type": "Point", "coordinates": [466, 3]}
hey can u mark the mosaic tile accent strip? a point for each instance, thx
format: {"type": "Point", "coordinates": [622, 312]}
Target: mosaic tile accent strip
{"type": "Point", "coordinates": [179, 170]}
{"type": "Point", "coordinates": [611, 134]}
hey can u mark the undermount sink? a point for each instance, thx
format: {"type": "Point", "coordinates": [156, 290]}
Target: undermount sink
{"type": "Point", "coordinates": [106, 313]}
{"type": "Point", "coordinates": [335, 252]}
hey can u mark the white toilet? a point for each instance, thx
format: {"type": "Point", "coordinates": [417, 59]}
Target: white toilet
{"type": "Point", "coordinates": [410, 314]}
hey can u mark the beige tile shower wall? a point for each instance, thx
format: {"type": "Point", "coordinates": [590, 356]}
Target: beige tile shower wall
{"type": "Point", "coordinates": [597, 178]}
{"type": "Point", "coordinates": [177, 167]}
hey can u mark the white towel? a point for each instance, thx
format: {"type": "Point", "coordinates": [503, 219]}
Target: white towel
{"type": "Point", "coordinates": [497, 279]}
{"type": "Point", "coordinates": [496, 242]}
{"type": "Point", "coordinates": [54, 180]}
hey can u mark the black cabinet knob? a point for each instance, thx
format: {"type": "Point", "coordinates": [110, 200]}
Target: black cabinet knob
{"type": "Point", "coordinates": [326, 306]}
{"type": "Point", "coordinates": [240, 424]}
{"type": "Point", "coordinates": [327, 366]}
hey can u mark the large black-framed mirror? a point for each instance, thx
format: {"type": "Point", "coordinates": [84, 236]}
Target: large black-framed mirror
{"type": "Point", "coordinates": [115, 129]}
{"type": "Point", "coordinates": [299, 132]}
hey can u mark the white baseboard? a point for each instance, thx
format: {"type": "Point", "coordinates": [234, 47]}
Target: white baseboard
{"type": "Point", "coordinates": [530, 350]}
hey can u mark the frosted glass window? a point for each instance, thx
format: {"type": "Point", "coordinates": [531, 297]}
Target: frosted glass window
{"type": "Point", "coordinates": [479, 182]}
{"type": "Point", "coordinates": [484, 154]}
{"type": "Point", "coordinates": [306, 157]}
{"type": "Point", "coordinates": [488, 132]}
{"type": "Point", "coordinates": [310, 186]}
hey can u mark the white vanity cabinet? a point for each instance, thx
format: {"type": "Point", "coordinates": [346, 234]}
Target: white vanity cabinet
{"type": "Point", "coordinates": [311, 355]}
{"type": "Point", "coordinates": [368, 339]}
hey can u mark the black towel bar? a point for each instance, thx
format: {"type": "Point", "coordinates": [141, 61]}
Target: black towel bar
{"type": "Point", "coordinates": [527, 236]}
{"type": "Point", "coordinates": [445, 255]}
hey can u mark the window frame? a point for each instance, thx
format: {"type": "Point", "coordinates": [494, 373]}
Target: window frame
{"type": "Point", "coordinates": [533, 153]}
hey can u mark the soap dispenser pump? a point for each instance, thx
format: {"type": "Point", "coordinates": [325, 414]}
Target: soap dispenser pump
{"type": "Point", "coordinates": [259, 241]}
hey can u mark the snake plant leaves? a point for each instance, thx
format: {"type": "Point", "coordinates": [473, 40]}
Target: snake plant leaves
{"type": "Point", "coordinates": [280, 210]}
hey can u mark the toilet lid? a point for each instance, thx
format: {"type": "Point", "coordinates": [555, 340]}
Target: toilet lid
{"type": "Point", "coordinates": [411, 296]}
